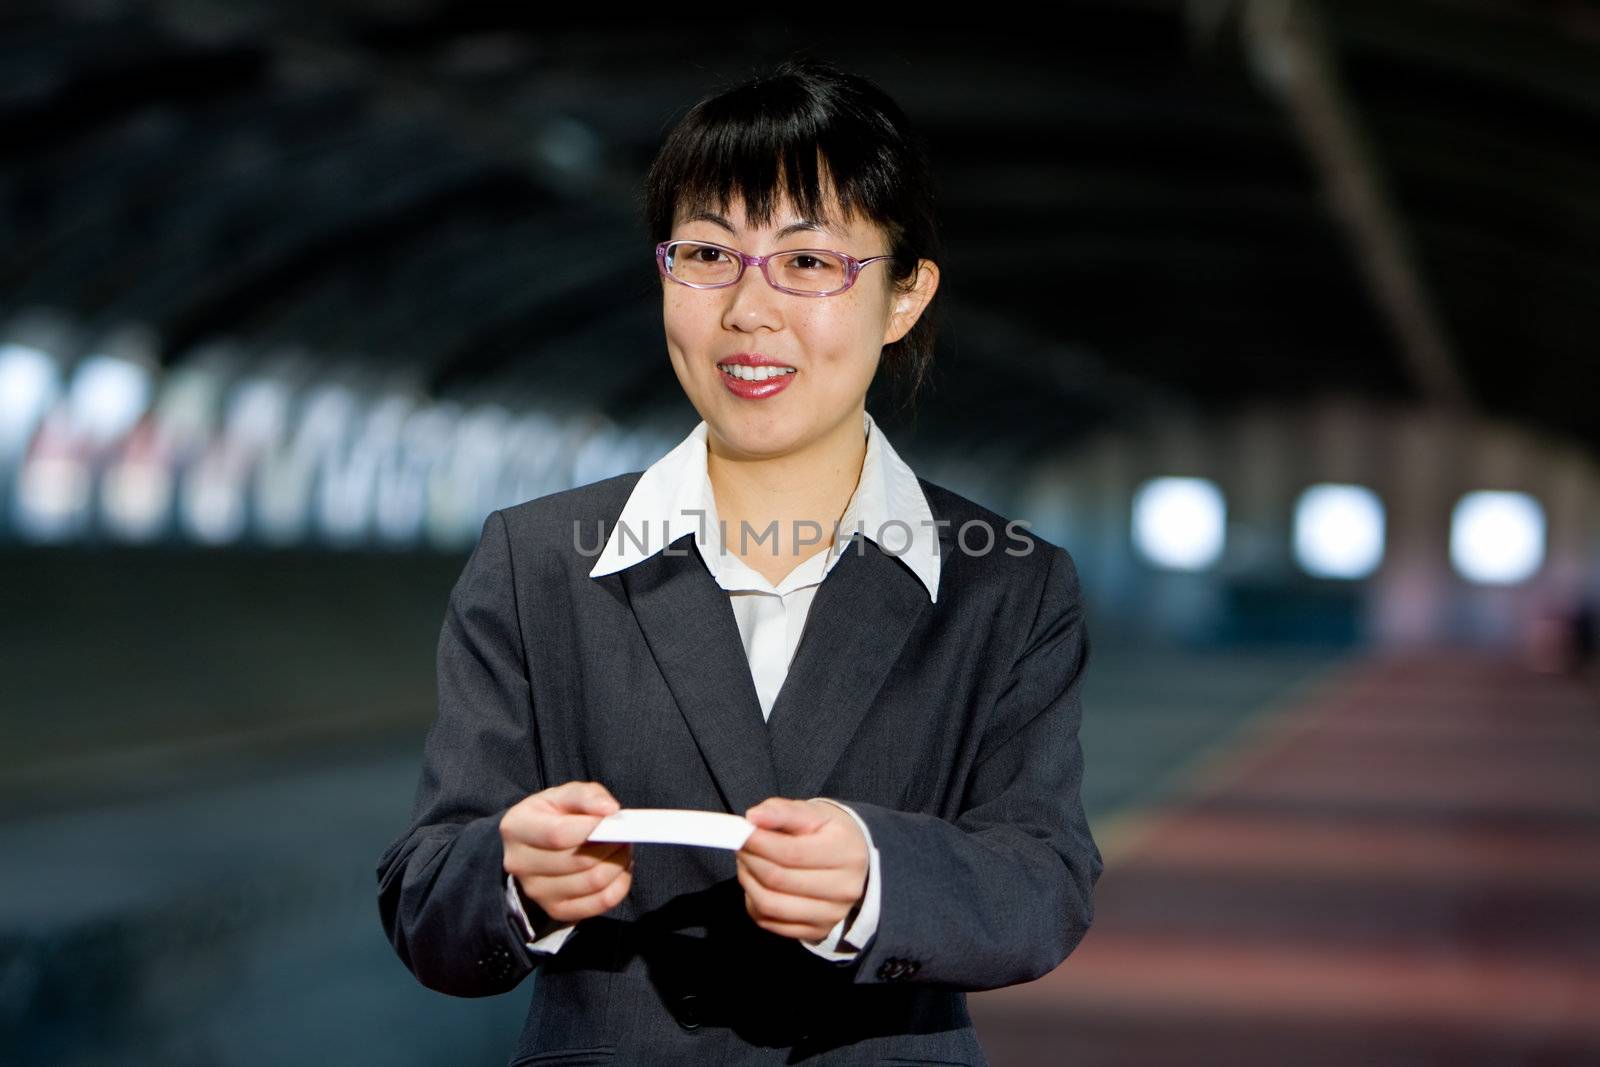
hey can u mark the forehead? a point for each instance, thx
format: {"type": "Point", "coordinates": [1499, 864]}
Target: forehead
{"type": "Point", "coordinates": [731, 215]}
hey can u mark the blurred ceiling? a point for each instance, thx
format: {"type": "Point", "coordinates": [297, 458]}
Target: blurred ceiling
{"type": "Point", "coordinates": [1146, 203]}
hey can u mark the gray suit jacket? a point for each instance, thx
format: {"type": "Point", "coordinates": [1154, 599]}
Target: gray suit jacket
{"type": "Point", "coordinates": [951, 727]}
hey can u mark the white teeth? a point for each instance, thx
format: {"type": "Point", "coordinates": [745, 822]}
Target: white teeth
{"type": "Point", "coordinates": [754, 374]}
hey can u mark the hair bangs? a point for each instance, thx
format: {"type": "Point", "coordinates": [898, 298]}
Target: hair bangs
{"type": "Point", "coordinates": [762, 144]}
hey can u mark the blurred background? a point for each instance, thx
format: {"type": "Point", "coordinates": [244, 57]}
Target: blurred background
{"type": "Point", "coordinates": [1280, 316]}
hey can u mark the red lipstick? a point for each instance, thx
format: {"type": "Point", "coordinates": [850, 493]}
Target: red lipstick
{"type": "Point", "coordinates": [754, 359]}
{"type": "Point", "coordinates": [760, 389]}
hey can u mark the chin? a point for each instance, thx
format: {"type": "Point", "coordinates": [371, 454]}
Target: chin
{"type": "Point", "coordinates": [760, 437]}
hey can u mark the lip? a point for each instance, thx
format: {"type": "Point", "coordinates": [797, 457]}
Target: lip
{"type": "Point", "coordinates": [755, 390]}
{"type": "Point", "coordinates": [754, 359]}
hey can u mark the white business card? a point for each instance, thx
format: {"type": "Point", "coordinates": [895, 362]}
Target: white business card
{"type": "Point", "coordinates": [675, 826]}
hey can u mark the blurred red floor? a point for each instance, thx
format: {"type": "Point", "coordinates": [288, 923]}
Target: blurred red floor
{"type": "Point", "coordinates": [1403, 869]}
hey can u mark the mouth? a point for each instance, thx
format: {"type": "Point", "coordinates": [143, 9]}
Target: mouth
{"type": "Point", "coordinates": [746, 373]}
{"type": "Point", "coordinates": [753, 376]}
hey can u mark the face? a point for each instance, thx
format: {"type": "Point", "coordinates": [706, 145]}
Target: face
{"type": "Point", "coordinates": [833, 343]}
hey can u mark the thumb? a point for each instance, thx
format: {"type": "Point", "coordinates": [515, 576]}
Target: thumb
{"type": "Point", "coordinates": [597, 800]}
{"type": "Point", "coordinates": [786, 815]}
{"type": "Point", "coordinates": [584, 798]}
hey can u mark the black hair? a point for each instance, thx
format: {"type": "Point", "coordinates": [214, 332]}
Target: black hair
{"type": "Point", "coordinates": [785, 132]}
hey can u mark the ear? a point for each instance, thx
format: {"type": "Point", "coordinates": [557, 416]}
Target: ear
{"type": "Point", "coordinates": [906, 305]}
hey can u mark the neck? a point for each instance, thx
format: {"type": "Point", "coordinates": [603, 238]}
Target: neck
{"type": "Point", "coordinates": [812, 485]}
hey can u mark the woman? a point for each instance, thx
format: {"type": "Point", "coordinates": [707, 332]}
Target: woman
{"type": "Point", "coordinates": [783, 622]}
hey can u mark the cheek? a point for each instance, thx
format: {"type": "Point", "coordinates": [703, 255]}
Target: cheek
{"type": "Point", "coordinates": [684, 320]}
{"type": "Point", "coordinates": [672, 310]}
{"type": "Point", "coordinates": [845, 333]}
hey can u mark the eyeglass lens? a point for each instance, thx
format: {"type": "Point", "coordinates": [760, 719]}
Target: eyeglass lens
{"type": "Point", "coordinates": [808, 271]}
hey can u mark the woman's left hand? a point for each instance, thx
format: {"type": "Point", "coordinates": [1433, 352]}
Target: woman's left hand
{"type": "Point", "coordinates": [803, 868]}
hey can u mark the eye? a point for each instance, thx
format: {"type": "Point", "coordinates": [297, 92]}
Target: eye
{"type": "Point", "coordinates": [806, 261]}
{"type": "Point", "coordinates": [706, 254]}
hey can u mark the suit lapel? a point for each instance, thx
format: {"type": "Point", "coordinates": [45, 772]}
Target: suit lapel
{"type": "Point", "coordinates": [692, 633]}
{"type": "Point", "coordinates": [859, 621]}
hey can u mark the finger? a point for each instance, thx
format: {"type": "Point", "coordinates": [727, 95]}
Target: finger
{"type": "Point", "coordinates": [788, 816]}
{"type": "Point", "coordinates": [797, 931]}
{"type": "Point", "coordinates": [818, 883]}
{"type": "Point", "coordinates": [562, 861]}
{"type": "Point", "coordinates": [790, 850]}
{"type": "Point", "coordinates": [542, 827]}
{"type": "Point", "coordinates": [530, 860]}
{"type": "Point", "coordinates": [602, 900]}
{"type": "Point", "coordinates": [579, 885]}
{"type": "Point", "coordinates": [788, 907]}
{"type": "Point", "coordinates": [772, 908]}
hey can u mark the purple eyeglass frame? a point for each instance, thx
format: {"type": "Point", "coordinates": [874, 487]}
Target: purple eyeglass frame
{"type": "Point", "coordinates": [853, 266]}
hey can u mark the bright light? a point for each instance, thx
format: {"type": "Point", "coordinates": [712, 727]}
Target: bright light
{"type": "Point", "coordinates": [401, 493]}
{"type": "Point", "coordinates": [107, 396]}
{"type": "Point", "coordinates": [54, 484]}
{"type": "Point", "coordinates": [136, 494]}
{"type": "Point", "coordinates": [136, 489]}
{"type": "Point", "coordinates": [1178, 522]}
{"type": "Point", "coordinates": [29, 382]}
{"type": "Point", "coordinates": [212, 502]}
{"type": "Point", "coordinates": [257, 412]}
{"type": "Point", "coordinates": [1497, 537]}
{"type": "Point", "coordinates": [1338, 531]}
{"type": "Point", "coordinates": [52, 495]}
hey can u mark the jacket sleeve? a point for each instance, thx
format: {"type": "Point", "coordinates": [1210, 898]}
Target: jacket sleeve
{"type": "Point", "coordinates": [1004, 893]}
{"type": "Point", "coordinates": [442, 883]}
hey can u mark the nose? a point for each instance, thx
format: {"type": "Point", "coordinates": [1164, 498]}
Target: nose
{"type": "Point", "coordinates": [753, 304]}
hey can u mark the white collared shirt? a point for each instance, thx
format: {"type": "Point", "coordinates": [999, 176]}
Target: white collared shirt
{"type": "Point", "coordinates": [674, 497]}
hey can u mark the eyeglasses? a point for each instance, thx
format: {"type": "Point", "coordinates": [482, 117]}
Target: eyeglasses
{"type": "Point", "coordinates": [801, 271]}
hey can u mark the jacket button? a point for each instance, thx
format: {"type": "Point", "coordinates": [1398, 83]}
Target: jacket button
{"type": "Point", "coordinates": [689, 1011]}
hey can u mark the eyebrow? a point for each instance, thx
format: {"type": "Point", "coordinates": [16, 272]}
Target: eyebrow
{"type": "Point", "coordinates": [804, 225]}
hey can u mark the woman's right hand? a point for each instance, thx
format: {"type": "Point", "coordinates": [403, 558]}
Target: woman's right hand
{"type": "Point", "coordinates": [545, 837]}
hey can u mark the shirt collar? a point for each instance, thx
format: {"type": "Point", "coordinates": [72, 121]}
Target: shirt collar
{"type": "Point", "coordinates": [674, 497]}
